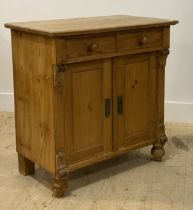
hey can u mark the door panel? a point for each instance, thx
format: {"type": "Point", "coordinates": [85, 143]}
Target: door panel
{"type": "Point", "coordinates": [90, 129]}
{"type": "Point", "coordinates": [135, 82]}
{"type": "Point", "coordinates": [87, 109]}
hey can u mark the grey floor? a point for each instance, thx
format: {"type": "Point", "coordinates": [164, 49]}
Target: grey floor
{"type": "Point", "coordinates": [131, 182]}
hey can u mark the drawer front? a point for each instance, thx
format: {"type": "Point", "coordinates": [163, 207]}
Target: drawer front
{"type": "Point", "coordinates": [89, 46]}
{"type": "Point", "coordinates": [140, 40]}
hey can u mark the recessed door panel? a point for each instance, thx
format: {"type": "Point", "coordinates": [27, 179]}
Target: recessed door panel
{"type": "Point", "coordinates": [88, 117]}
{"type": "Point", "coordinates": [136, 99]}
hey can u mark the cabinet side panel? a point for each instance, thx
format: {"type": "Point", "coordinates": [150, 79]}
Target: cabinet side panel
{"type": "Point", "coordinates": [33, 56]}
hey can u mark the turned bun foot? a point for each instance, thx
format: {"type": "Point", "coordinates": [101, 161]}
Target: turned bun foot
{"type": "Point", "coordinates": [59, 186]}
{"type": "Point", "coordinates": [58, 193]}
{"type": "Point", "coordinates": [158, 152]}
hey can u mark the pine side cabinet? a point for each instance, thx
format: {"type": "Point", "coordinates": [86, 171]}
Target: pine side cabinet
{"type": "Point", "coordinates": [86, 90]}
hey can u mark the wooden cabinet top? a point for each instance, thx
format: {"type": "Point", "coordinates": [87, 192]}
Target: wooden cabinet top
{"type": "Point", "coordinates": [76, 26]}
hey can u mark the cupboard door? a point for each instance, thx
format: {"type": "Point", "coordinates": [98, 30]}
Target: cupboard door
{"type": "Point", "coordinates": [134, 100]}
{"type": "Point", "coordinates": [87, 110]}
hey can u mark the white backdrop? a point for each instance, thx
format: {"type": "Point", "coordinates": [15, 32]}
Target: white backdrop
{"type": "Point", "coordinates": [179, 72]}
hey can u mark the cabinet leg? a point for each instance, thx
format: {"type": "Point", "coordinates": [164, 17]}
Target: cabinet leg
{"type": "Point", "coordinates": [158, 148]}
{"type": "Point", "coordinates": [26, 167]}
{"type": "Point", "coordinates": [60, 186]}
{"type": "Point", "coordinates": [158, 152]}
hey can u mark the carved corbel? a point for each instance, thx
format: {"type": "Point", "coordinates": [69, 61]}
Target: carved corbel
{"type": "Point", "coordinates": [162, 135]}
{"type": "Point", "coordinates": [162, 56]}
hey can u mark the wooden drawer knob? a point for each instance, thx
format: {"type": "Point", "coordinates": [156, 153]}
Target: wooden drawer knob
{"type": "Point", "coordinates": [143, 40]}
{"type": "Point", "coordinates": [92, 47]}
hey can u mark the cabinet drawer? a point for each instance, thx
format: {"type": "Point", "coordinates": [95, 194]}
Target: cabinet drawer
{"type": "Point", "coordinates": [140, 40]}
{"type": "Point", "coordinates": [88, 46]}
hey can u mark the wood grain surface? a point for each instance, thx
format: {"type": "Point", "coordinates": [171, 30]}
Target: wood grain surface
{"type": "Point", "coordinates": [33, 86]}
{"type": "Point", "coordinates": [88, 25]}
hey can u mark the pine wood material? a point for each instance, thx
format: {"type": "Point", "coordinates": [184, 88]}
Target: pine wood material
{"type": "Point", "coordinates": [26, 167]}
{"type": "Point", "coordinates": [92, 92]}
{"type": "Point", "coordinates": [86, 46]}
{"type": "Point", "coordinates": [158, 150]}
{"type": "Point", "coordinates": [140, 39]}
{"type": "Point", "coordinates": [33, 56]}
{"type": "Point", "coordinates": [77, 26]}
